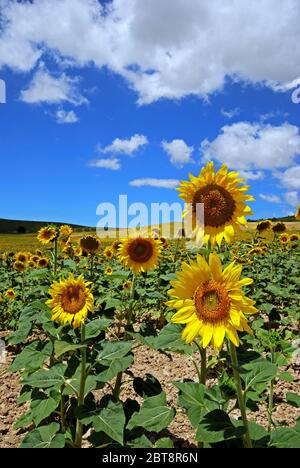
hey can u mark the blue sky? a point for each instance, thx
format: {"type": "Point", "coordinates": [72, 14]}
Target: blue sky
{"type": "Point", "coordinates": [79, 127]}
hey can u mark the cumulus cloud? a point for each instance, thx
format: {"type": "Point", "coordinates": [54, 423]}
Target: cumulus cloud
{"type": "Point", "coordinates": [46, 88]}
{"type": "Point", "coordinates": [157, 183]}
{"type": "Point", "coordinates": [128, 146]}
{"type": "Point", "coordinates": [231, 113]}
{"type": "Point", "coordinates": [112, 164]}
{"type": "Point", "coordinates": [66, 117]}
{"type": "Point", "coordinates": [270, 198]}
{"type": "Point", "coordinates": [249, 175]}
{"type": "Point", "coordinates": [179, 152]}
{"type": "Point", "coordinates": [290, 178]}
{"type": "Point", "coordinates": [292, 198]}
{"type": "Point", "coordinates": [164, 49]}
{"type": "Point", "coordinates": [248, 146]}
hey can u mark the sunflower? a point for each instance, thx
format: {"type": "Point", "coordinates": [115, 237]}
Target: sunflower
{"type": "Point", "coordinates": [294, 237]}
{"type": "Point", "coordinates": [101, 261]}
{"type": "Point", "coordinates": [210, 301]}
{"type": "Point", "coordinates": [22, 257]}
{"type": "Point", "coordinates": [115, 246]}
{"type": "Point", "coordinates": [39, 253]}
{"type": "Point", "coordinates": [71, 301]}
{"type": "Point", "coordinates": [47, 234]}
{"type": "Point", "coordinates": [127, 285]}
{"type": "Point", "coordinates": [284, 238]}
{"type": "Point", "coordinates": [35, 259]}
{"type": "Point", "coordinates": [108, 253]}
{"type": "Point", "coordinates": [264, 225]}
{"type": "Point", "coordinates": [108, 271]}
{"type": "Point", "coordinates": [43, 262]}
{"type": "Point", "coordinates": [255, 251]}
{"type": "Point", "coordinates": [223, 198]}
{"type": "Point", "coordinates": [10, 294]}
{"type": "Point", "coordinates": [278, 228]}
{"type": "Point", "coordinates": [140, 253]}
{"type": "Point", "coordinates": [164, 242]}
{"type": "Point", "coordinates": [89, 244]}
{"type": "Point", "coordinates": [65, 231]}
{"type": "Point", "coordinates": [20, 266]}
{"type": "Point", "coordinates": [297, 214]}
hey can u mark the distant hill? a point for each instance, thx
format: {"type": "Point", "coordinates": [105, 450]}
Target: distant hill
{"type": "Point", "coordinates": [22, 227]}
{"type": "Point", "coordinates": [284, 219]}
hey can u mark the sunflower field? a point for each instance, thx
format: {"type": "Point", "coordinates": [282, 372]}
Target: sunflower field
{"type": "Point", "coordinates": [145, 342]}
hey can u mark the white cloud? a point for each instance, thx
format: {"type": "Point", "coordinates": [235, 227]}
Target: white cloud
{"type": "Point", "coordinates": [292, 198]}
{"type": "Point", "coordinates": [66, 117]}
{"type": "Point", "coordinates": [180, 153]}
{"type": "Point", "coordinates": [290, 178]}
{"type": "Point", "coordinates": [249, 146]}
{"type": "Point", "coordinates": [112, 164]}
{"type": "Point", "coordinates": [270, 198]}
{"type": "Point", "coordinates": [128, 146]}
{"type": "Point", "coordinates": [249, 175]}
{"type": "Point", "coordinates": [165, 49]}
{"type": "Point", "coordinates": [52, 90]}
{"type": "Point", "coordinates": [157, 183]}
{"type": "Point", "coordinates": [229, 114]}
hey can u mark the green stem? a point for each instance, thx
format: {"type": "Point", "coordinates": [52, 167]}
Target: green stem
{"type": "Point", "coordinates": [203, 371]}
{"type": "Point", "coordinates": [240, 396]}
{"type": "Point", "coordinates": [176, 252]}
{"type": "Point", "coordinates": [116, 391]}
{"type": "Point", "coordinates": [78, 436]}
{"type": "Point", "coordinates": [91, 267]}
{"type": "Point", "coordinates": [62, 410]}
{"type": "Point", "coordinates": [55, 255]}
{"type": "Point", "coordinates": [271, 398]}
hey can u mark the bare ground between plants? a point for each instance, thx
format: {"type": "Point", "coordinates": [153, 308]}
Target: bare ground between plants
{"type": "Point", "coordinates": [167, 370]}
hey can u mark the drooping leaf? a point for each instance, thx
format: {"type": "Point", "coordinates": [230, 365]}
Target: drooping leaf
{"type": "Point", "coordinates": [154, 414]}
{"type": "Point", "coordinates": [44, 437]}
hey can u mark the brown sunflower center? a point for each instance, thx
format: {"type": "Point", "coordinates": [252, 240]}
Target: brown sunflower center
{"type": "Point", "coordinates": [73, 299]}
{"type": "Point", "coordinates": [219, 205]}
{"type": "Point", "coordinates": [140, 250]}
{"type": "Point", "coordinates": [90, 244]}
{"type": "Point", "coordinates": [212, 302]}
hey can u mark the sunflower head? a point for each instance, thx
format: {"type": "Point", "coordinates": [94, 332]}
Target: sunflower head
{"type": "Point", "coordinates": [71, 301]}
{"type": "Point", "coordinates": [210, 302]}
{"type": "Point", "coordinates": [22, 257]}
{"type": "Point", "coordinates": [39, 253]}
{"type": "Point", "coordinates": [255, 251]}
{"type": "Point", "coordinates": [65, 231]}
{"type": "Point", "coordinates": [278, 228]}
{"type": "Point", "coordinates": [108, 253]}
{"type": "Point", "coordinates": [35, 259]}
{"type": "Point", "coordinates": [20, 266]}
{"type": "Point", "coordinates": [264, 225]}
{"type": "Point", "coordinates": [127, 285]}
{"type": "Point", "coordinates": [10, 294]}
{"type": "Point", "coordinates": [224, 200]}
{"type": "Point", "coordinates": [43, 262]}
{"type": "Point", "coordinates": [89, 244]}
{"type": "Point", "coordinates": [47, 234]}
{"type": "Point", "coordinates": [115, 246]}
{"type": "Point", "coordinates": [297, 214]}
{"type": "Point", "coordinates": [109, 271]}
{"type": "Point", "coordinates": [164, 242]}
{"type": "Point", "coordinates": [284, 238]}
{"type": "Point", "coordinates": [140, 254]}
{"type": "Point", "coordinates": [294, 238]}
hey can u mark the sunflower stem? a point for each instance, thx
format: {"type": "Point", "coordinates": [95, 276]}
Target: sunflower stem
{"type": "Point", "coordinates": [240, 395]}
{"type": "Point", "coordinates": [62, 410]}
{"type": "Point", "coordinates": [203, 368]}
{"type": "Point", "coordinates": [79, 427]}
{"type": "Point", "coordinates": [118, 384]}
{"type": "Point", "coordinates": [91, 267]}
{"type": "Point", "coordinates": [55, 255]}
{"type": "Point", "coordinates": [271, 398]}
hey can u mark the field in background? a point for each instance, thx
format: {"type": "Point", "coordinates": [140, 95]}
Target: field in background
{"type": "Point", "coordinates": [28, 242]}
